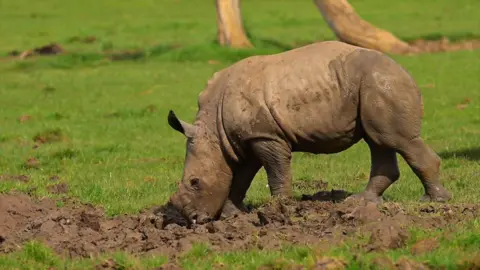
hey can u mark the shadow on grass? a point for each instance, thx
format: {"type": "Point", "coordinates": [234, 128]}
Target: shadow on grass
{"type": "Point", "coordinates": [468, 153]}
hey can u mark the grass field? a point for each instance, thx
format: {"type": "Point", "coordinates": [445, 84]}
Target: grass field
{"type": "Point", "coordinates": [112, 144]}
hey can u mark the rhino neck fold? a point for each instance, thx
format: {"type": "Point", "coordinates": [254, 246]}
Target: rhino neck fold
{"type": "Point", "coordinates": [210, 113]}
{"type": "Point", "coordinates": [225, 142]}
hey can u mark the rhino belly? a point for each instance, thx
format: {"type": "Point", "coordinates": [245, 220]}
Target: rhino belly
{"type": "Point", "coordinates": [327, 142]}
{"type": "Point", "coordinates": [320, 128]}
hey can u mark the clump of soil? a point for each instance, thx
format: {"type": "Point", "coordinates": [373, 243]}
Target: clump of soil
{"type": "Point", "coordinates": [31, 163]}
{"type": "Point", "coordinates": [83, 230]}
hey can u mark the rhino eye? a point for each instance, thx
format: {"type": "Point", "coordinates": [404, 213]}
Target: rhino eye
{"type": "Point", "coordinates": [195, 183]}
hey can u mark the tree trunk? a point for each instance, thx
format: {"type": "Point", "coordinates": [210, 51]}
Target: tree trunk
{"type": "Point", "coordinates": [350, 28]}
{"type": "Point", "coordinates": [230, 27]}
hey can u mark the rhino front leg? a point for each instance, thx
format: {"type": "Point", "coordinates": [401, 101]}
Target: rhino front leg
{"type": "Point", "coordinates": [242, 179]}
{"type": "Point", "coordinates": [275, 156]}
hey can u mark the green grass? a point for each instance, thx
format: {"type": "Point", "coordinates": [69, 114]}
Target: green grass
{"type": "Point", "coordinates": [116, 148]}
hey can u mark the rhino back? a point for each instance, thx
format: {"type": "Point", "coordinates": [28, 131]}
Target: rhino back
{"type": "Point", "coordinates": [303, 96]}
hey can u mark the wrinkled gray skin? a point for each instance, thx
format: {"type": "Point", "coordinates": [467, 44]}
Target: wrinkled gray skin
{"type": "Point", "coordinates": [321, 98]}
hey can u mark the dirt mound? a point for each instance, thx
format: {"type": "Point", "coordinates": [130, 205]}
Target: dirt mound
{"type": "Point", "coordinates": [83, 230]}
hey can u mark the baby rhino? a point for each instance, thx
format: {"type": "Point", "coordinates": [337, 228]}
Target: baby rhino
{"type": "Point", "coordinates": [321, 98]}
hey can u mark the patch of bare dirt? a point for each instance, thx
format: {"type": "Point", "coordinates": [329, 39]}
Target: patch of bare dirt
{"type": "Point", "coordinates": [83, 230]}
{"type": "Point", "coordinates": [31, 163]}
{"type": "Point", "coordinates": [20, 178]}
{"type": "Point", "coordinates": [48, 49]}
{"type": "Point", "coordinates": [464, 104]}
{"type": "Point", "coordinates": [443, 45]}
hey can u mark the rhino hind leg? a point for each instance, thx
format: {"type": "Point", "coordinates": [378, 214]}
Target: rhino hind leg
{"type": "Point", "coordinates": [275, 156]}
{"type": "Point", "coordinates": [402, 136]}
{"type": "Point", "coordinates": [395, 125]}
{"type": "Point", "coordinates": [384, 172]}
{"type": "Point", "coordinates": [242, 179]}
{"type": "Point", "coordinates": [425, 163]}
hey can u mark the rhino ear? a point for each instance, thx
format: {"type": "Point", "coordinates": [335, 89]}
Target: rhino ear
{"type": "Point", "coordinates": [179, 125]}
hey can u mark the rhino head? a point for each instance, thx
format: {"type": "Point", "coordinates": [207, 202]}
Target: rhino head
{"type": "Point", "coordinates": [207, 177]}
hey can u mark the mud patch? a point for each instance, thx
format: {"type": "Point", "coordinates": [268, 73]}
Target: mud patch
{"type": "Point", "coordinates": [83, 230]}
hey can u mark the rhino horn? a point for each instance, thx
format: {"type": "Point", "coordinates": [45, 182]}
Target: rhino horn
{"type": "Point", "coordinates": [179, 125]}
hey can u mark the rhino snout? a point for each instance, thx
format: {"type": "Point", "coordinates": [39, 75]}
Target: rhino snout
{"type": "Point", "coordinates": [174, 201]}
